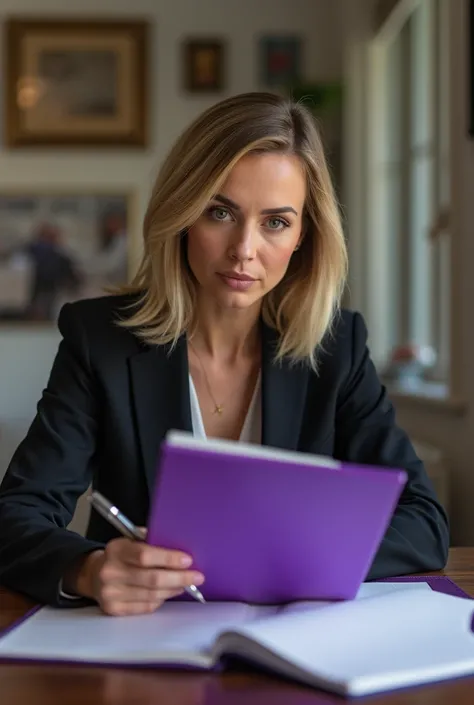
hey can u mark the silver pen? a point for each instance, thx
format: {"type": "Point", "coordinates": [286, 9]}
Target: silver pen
{"type": "Point", "coordinates": [115, 517]}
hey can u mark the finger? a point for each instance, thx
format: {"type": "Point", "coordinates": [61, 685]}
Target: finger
{"type": "Point", "coordinates": [114, 573]}
{"type": "Point", "coordinates": [157, 579]}
{"type": "Point", "coordinates": [122, 609]}
{"type": "Point", "coordinates": [116, 594]}
{"type": "Point", "coordinates": [146, 556]}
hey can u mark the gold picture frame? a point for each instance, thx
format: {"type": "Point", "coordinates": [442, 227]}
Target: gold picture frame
{"type": "Point", "coordinates": [75, 82]}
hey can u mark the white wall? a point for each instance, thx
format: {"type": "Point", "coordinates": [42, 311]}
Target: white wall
{"type": "Point", "coordinates": [25, 361]}
{"type": "Point", "coordinates": [26, 354]}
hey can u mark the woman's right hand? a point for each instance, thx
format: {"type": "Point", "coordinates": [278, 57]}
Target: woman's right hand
{"type": "Point", "coordinates": [132, 577]}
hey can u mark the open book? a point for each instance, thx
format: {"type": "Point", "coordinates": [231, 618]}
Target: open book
{"type": "Point", "coordinates": [392, 635]}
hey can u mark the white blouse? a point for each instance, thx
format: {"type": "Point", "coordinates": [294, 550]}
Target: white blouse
{"type": "Point", "coordinates": [252, 428]}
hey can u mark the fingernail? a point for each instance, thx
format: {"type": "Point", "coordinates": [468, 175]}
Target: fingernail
{"type": "Point", "coordinates": [198, 579]}
{"type": "Point", "coordinates": [186, 561]}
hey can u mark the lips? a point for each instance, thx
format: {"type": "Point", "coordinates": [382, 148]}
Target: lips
{"type": "Point", "coordinates": [237, 281]}
{"type": "Point", "coordinates": [237, 275]}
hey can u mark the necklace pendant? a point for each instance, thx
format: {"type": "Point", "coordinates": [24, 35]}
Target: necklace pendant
{"type": "Point", "coordinates": [218, 409]}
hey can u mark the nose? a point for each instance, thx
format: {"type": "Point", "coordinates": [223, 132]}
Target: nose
{"type": "Point", "coordinates": [244, 243]}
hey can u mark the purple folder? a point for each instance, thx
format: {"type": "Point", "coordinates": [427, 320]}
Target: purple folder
{"type": "Point", "coordinates": [270, 526]}
{"type": "Point", "coordinates": [438, 583]}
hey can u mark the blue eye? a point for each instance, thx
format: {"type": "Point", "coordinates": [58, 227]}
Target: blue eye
{"type": "Point", "coordinates": [218, 212]}
{"type": "Point", "coordinates": [276, 223]}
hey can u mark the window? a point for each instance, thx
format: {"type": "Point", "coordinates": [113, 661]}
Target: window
{"type": "Point", "coordinates": [408, 246]}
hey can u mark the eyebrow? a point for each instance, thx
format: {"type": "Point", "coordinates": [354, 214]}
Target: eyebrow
{"type": "Point", "coordinates": [267, 211]}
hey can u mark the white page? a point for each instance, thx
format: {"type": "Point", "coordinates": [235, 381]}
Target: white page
{"type": "Point", "coordinates": [366, 591]}
{"type": "Point", "coordinates": [375, 589]}
{"type": "Point", "coordinates": [368, 645]}
{"type": "Point", "coordinates": [178, 631]}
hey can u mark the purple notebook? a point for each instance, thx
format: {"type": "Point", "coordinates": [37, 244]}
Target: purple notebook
{"type": "Point", "coordinates": [270, 526]}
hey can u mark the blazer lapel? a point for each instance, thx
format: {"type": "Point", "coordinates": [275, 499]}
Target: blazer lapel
{"type": "Point", "coordinates": [160, 392]}
{"type": "Point", "coordinates": [283, 396]}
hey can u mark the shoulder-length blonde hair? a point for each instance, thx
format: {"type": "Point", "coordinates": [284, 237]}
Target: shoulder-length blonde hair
{"type": "Point", "coordinates": [302, 306]}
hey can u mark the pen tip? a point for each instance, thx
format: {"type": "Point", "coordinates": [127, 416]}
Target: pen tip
{"type": "Point", "coordinates": [197, 594]}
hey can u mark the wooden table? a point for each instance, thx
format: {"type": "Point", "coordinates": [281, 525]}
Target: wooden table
{"type": "Point", "coordinates": [74, 685]}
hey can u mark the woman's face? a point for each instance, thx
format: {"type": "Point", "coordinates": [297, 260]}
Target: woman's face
{"type": "Point", "coordinates": [241, 246]}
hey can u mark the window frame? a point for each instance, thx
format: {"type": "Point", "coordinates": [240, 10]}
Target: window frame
{"type": "Point", "coordinates": [367, 281]}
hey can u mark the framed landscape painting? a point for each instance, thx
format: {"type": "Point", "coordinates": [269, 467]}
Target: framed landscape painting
{"type": "Point", "coordinates": [75, 82]}
{"type": "Point", "coordinates": [60, 247]}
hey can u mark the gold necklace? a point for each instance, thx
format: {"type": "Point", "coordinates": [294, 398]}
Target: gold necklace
{"type": "Point", "coordinates": [218, 408]}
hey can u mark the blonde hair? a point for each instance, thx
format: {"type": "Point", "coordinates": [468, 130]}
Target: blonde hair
{"type": "Point", "coordinates": [302, 307]}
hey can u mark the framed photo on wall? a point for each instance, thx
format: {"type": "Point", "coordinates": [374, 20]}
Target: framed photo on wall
{"type": "Point", "coordinates": [57, 247]}
{"type": "Point", "coordinates": [280, 61]}
{"type": "Point", "coordinates": [204, 65]}
{"type": "Point", "coordinates": [80, 82]}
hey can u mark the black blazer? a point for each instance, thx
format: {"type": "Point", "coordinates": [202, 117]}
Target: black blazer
{"type": "Point", "coordinates": [109, 402]}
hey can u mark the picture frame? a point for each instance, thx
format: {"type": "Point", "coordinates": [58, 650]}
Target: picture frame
{"type": "Point", "coordinates": [58, 246]}
{"type": "Point", "coordinates": [75, 82]}
{"type": "Point", "coordinates": [204, 65]}
{"type": "Point", "coordinates": [280, 60]}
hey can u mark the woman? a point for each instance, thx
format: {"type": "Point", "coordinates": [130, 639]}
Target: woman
{"type": "Point", "coordinates": [231, 328]}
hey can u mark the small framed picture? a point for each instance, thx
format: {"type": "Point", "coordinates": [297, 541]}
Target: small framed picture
{"type": "Point", "coordinates": [204, 65]}
{"type": "Point", "coordinates": [280, 61]}
{"type": "Point", "coordinates": [57, 247]}
{"type": "Point", "coordinates": [80, 82]}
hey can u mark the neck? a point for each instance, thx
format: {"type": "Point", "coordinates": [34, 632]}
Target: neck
{"type": "Point", "coordinates": [227, 335]}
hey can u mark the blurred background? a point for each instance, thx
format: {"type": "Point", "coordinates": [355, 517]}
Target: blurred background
{"type": "Point", "coordinates": [92, 95]}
